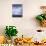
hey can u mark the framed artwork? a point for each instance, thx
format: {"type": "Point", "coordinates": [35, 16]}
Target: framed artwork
{"type": "Point", "coordinates": [17, 10]}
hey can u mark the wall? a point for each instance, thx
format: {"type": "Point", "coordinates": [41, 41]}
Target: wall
{"type": "Point", "coordinates": [27, 23]}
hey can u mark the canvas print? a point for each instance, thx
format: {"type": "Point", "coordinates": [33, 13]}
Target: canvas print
{"type": "Point", "coordinates": [17, 10]}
